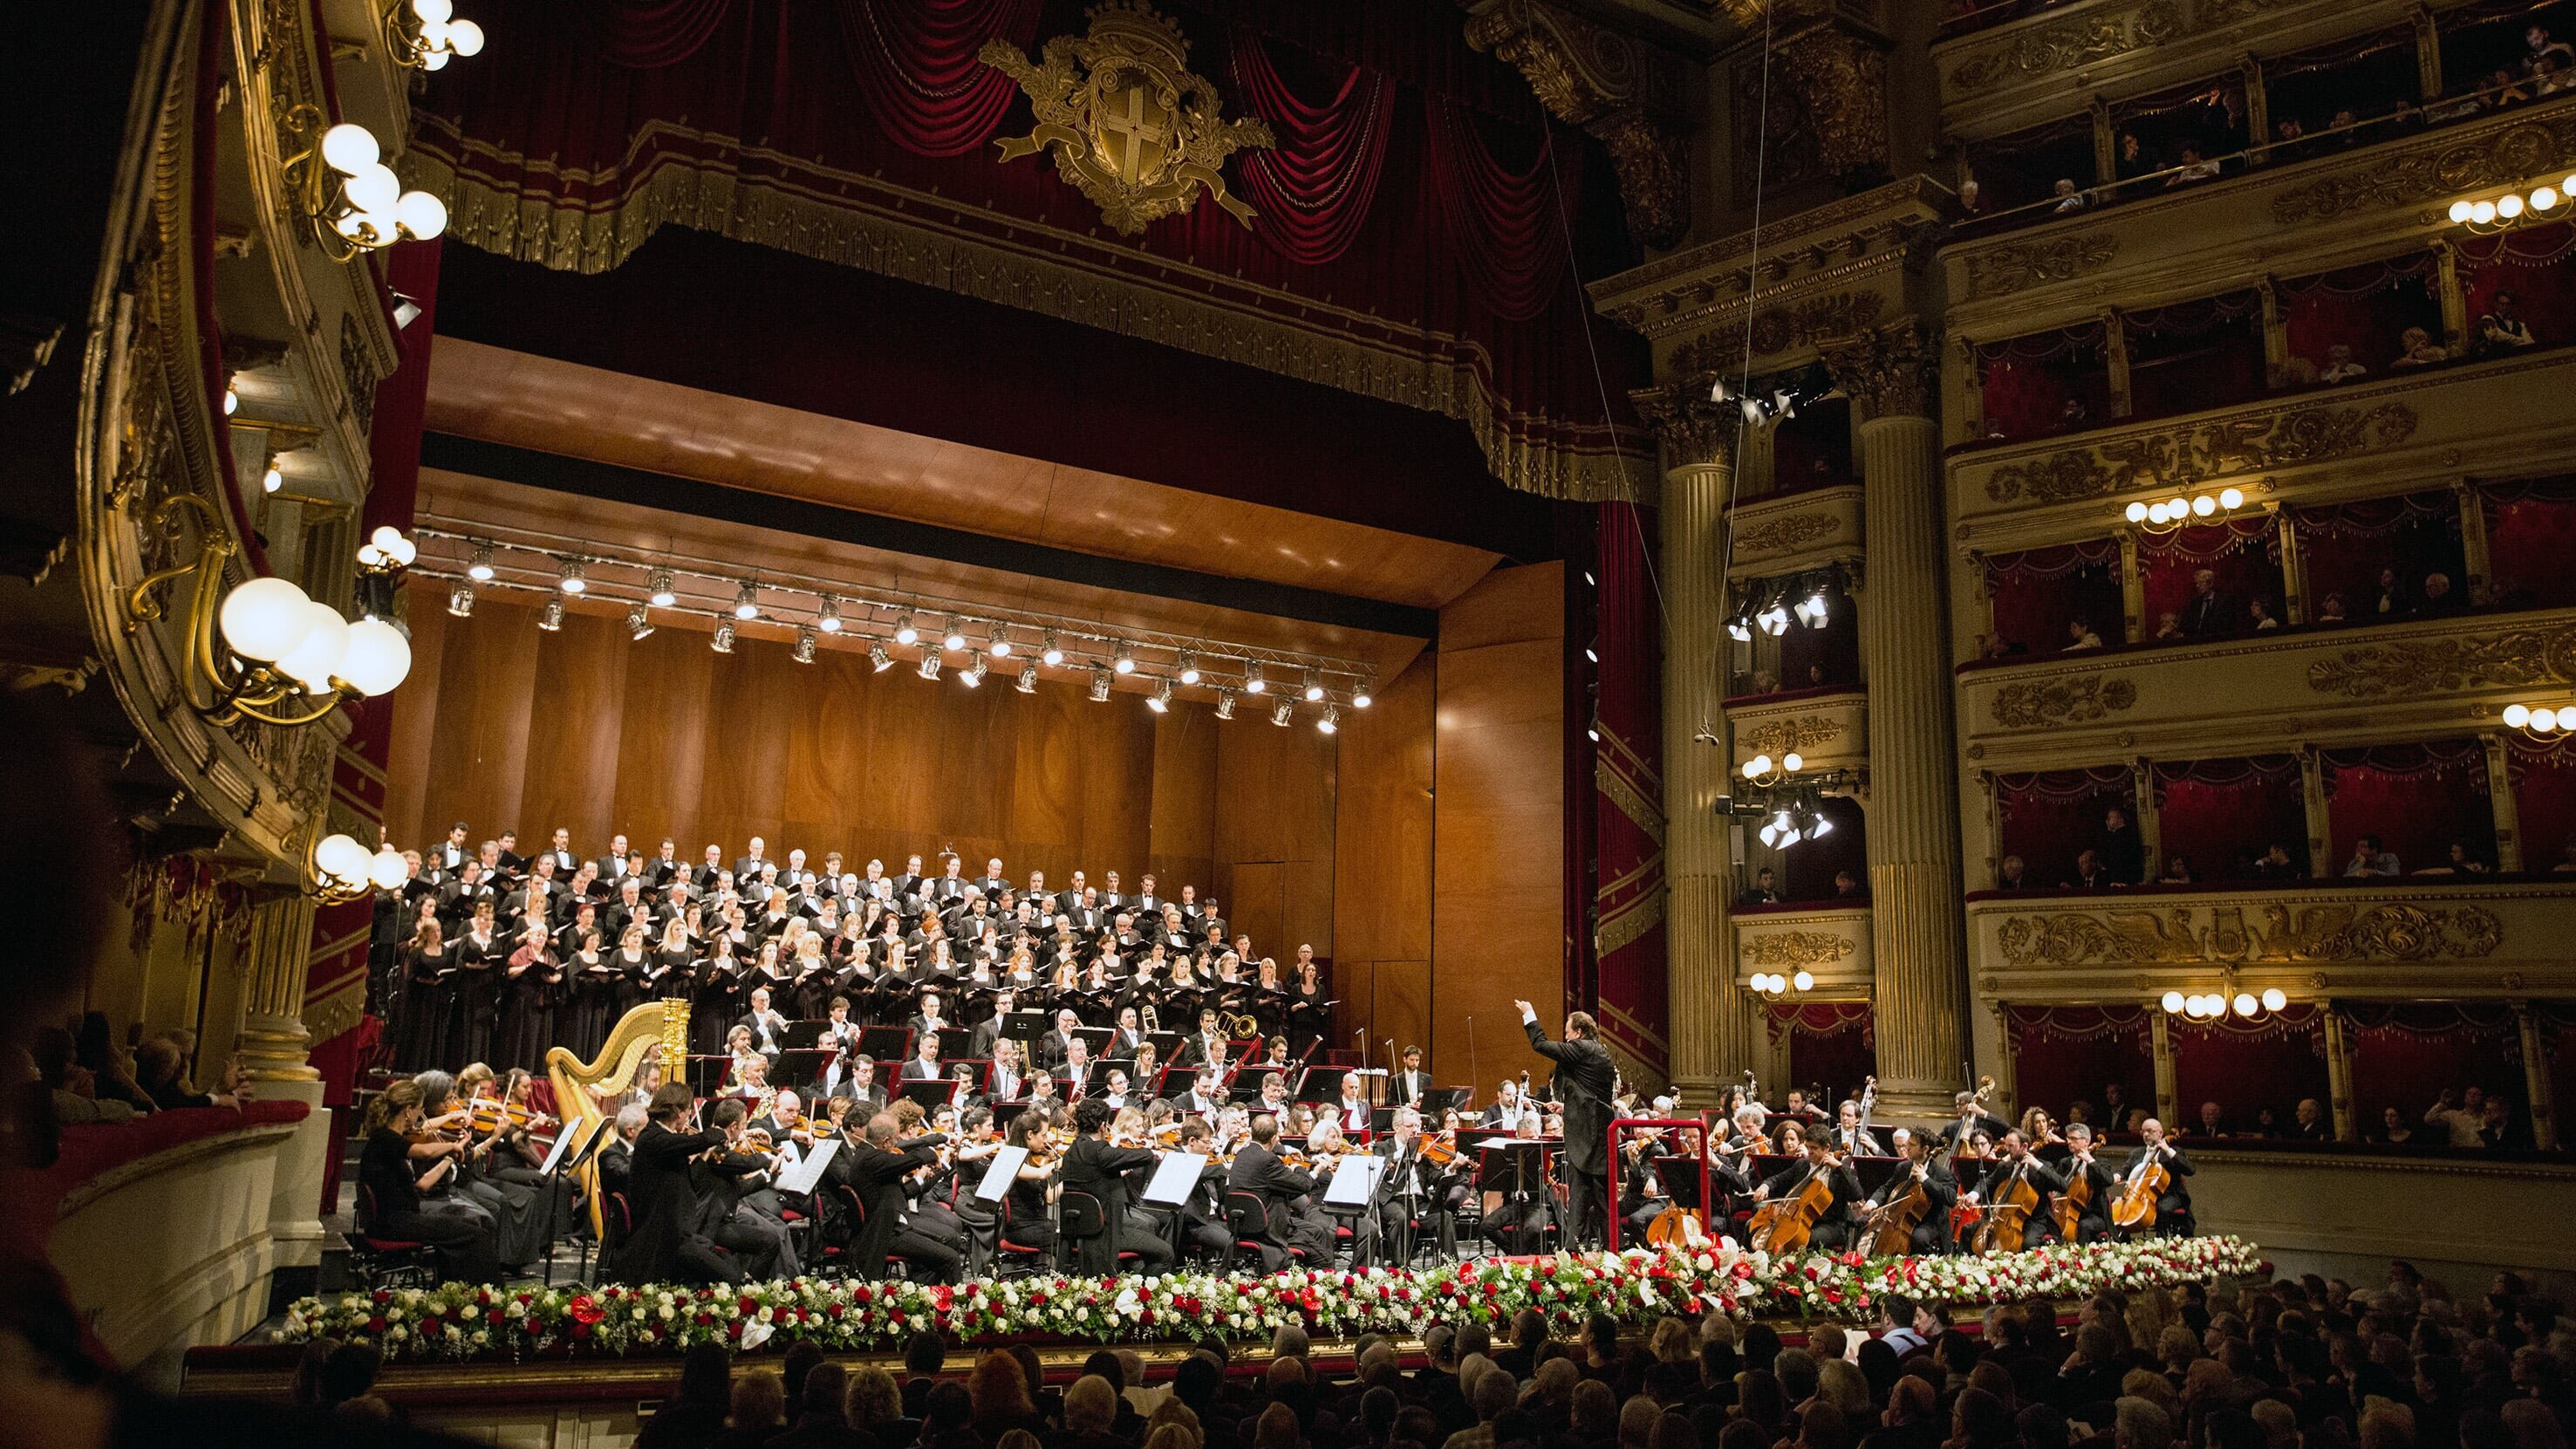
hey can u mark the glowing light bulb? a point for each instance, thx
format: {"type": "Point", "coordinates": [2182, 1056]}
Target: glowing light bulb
{"type": "Point", "coordinates": [2203, 506]}
{"type": "Point", "coordinates": [2482, 213]}
{"type": "Point", "coordinates": [2231, 498]}
{"type": "Point", "coordinates": [2137, 513]}
{"type": "Point", "coordinates": [2173, 1002]}
{"type": "Point", "coordinates": [1804, 981]}
{"type": "Point", "coordinates": [2517, 715]}
{"type": "Point", "coordinates": [2460, 211]}
{"type": "Point", "coordinates": [2509, 205]}
{"type": "Point", "coordinates": [349, 149]}
{"type": "Point", "coordinates": [2274, 999]}
{"type": "Point", "coordinates": [2544, 720]}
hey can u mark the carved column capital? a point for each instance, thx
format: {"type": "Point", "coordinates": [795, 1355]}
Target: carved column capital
{"type": "Point", "coordinates": [1694, 429]}
{"type": "Point", "coordinates": [1843, 78]}
{"type": "Point", "coordinates": [1620, 90]}
{"type": "Point", "coordinates": [1887, 373]}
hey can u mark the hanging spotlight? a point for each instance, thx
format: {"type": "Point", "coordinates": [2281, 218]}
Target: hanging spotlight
{"type": "Point", "coordinates": [1028, 679]}
{"type": "Point", "coordinates": [1099, 684]}
{"type": "Point", "coordinates": [827, 615]}
{"type": "Point", "coordinates": [663, 596]}
{"type": "Point", "coordinates": [972, 676]}
{"type": "Point", "coordinates": [1314, 686]}
{"type": "Point", "coordinates": [1160, 701]}
{"type": "Point", "coordinates": [878, 659]}
{"type": "Point", "coordinates": [1592, 731]}
{"type": "Point", "coordinates": [1189, 667]}
{"type": "Point", "coordinates": [1051, 652]}
{"type": "Point", "coordinates": [1331, 720]}
{"type": "Point", "coordinates": [1225, 704]}
{"type": "Point", "coordinates": [1125, 660]}
{"type": "Point", "coordinates": [723, 642]}
{"type": "Point", "coordinates": [480, 571]}
{"type": "Point", "coordinates": [639, 621]}
{"type": "Point", "coordinates": [746, 604]}
{"type": "Point", "coordinates": [1253, 683]}
{"type": "Point", "coordinates": [1739, 627]}
{"type": "Point", "coordinates": [569, 577]}
{"type": "Point", "coordinates": [803, 653]}
{"type": "Point", "coordinates": [955, 638]}
{"type": "Point", "coordinates": [930, 662]}
{"type": "Point", "coordinates": [904, 633]}
{"type": "Point", "coordinates": [1361, 697]}
{"type": "Point", "coordinates": [551, 618]}
{"type": "Point", "coordinates": [1592, 651]}
{"type": "Point", "coordinates": [460, 600]}
{"type": "Point", "coordinates": [232, 400]}
{"type": "Point", "coordinates": [1281, 712]}
{"type": "Point", "coordinates": [1774, 620]}
{"type": "Point", "coordinates": [999, 645]}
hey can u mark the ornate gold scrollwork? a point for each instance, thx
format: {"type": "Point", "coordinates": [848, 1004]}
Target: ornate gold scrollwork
{"type": "Point", "coordinates": [1779, 737]}
{"type": "Point", "coordinates": [2322, 933]}
{"type": "Point", "coordinates": [2180, 457]}
{"type": "Point", "coordinates": [2075, 699]}
{"type": "Point", "coordinates": [2016, 266]}
{"type": "Point", "coordinates": [1809, 949]}
{"type": "Point", "coordinates": [2504, 658]}
{"type": "Point", "coordinates": [1779, 535]}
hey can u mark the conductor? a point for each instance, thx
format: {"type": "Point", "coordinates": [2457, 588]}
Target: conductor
{"type": "Point", "coordinates": [1584, 1077]}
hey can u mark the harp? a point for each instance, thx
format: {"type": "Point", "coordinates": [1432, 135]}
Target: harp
{"type": "Point", "coordinates": [656, 1027]}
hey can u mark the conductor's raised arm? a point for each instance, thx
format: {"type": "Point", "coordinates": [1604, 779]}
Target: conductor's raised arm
{"type": "Point", "coordinates": [1553, 1051]}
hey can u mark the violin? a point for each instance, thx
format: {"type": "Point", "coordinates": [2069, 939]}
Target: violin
{"type": "Point", "coordinates": [488, 1114]}
{"type": "Point", "coordinates": [1440, 1149]}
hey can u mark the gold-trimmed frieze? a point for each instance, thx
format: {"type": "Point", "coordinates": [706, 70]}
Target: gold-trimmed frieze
{"type": "Point", "coordinates": [1832, 943]}
{"type": "Point", "coordinates": [1828, 733]}
{"type": "Point", "coordinates": [1786, 533]}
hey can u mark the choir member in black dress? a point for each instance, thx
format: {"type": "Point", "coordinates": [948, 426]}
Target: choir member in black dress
{"type": "Point", "coordinates": [479, 958]}
{"type": "Point", "coordinates": [393, 1172]}
{"type": "Point", "coordinates": [633, 963]}
{"type": "Point", "coordinates": [428, 1000]}
{"type": "Point", "coordinates": [590, 988]}
{"type": "Point", "coordinates": [715, 996]}
{"type": "Point", "coordinates": [530, 982]}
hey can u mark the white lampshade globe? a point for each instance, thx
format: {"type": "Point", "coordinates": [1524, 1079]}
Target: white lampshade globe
{"type": "Point", "coordinates": [2204, 505]}
{"type": "Point", "coordinates": [342, 859]}
{"type": "Point", "coordinates": [1805, 980]}
{"type": "Point", "coordinates": [435, 60]}
{"type": "Point", "coordinates": [433, 12]}
{"type": "Point", "coordinates": [2274, 999]}
{"type": "Point", "coordinates": [264, 619]}
{"type": "Point", "coordinates": [2173, 1001]}
{"type": "Point", "coordinates": [379, 657]}
{"type": "Point", "coordinates": [2137, 513]}
{"type": "Point", "coordinates": [2509, 206]}
{"type": "Point", "coordinates": [374, 188]}
{"type": "Point", "coordinates": [2246, 1005]}
{"type": "Point", "coordinates": [433, 38]}
{"type": "Point", "coordinates": [2231, 498]}
{"type": "Point", "coordinates": [326, 642]}
{"type": "Point", "coordinates": [349, 149]}
{"type": "Point", "coordinates": [2517, 715]}
{"type": "Point", "coordinates": [465, 38]}
{"type": "Point", "coordinates": [1792, 762]}
{"type": "Point", "coordinates": [421, 214]}
{"type": "Point", "coordinates": [2483, 212]}
{"type": "Point", "coordinates": [388, 870]}
{"type": "Point", "coordinates": [2544, 719]}
{"type": "Point", "coordinates": [2459, 211]}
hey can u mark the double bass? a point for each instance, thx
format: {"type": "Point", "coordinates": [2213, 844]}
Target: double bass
{"type": "Point", "coordinates": [2135, 1207]}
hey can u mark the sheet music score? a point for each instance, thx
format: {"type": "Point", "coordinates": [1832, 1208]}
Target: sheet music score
{"type": "Point", "coordinates": [998, 1177]}
{"type": "Point", "coordinates": [1355, 1181]}
{"type": "Point", "coordinates": [1175, 1178]}
{"type": "Point", "coordinates": [808, 1169]}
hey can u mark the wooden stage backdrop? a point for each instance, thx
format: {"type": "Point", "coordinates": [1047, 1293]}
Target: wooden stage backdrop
{"type": "Point", "coordinates": [1418, 849]}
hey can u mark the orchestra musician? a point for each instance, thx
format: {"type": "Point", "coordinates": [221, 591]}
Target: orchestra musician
{"type": "Point", "coordinates": [1414, 1190]}
{"type": "Point", "coordinates": [1849, 1137]}
{"type": "Point", "coordinates": [1508, 1108]}
{"type": "Point", "coordinates": [2094, 1222]}
{"type": "Point", "coordinates": [2013, 1163]}
{"type": "Point", "coordinates": [1284, 1193]}
{"type": "Point", "coordinates": [1584, 1078]}
{"type": "Point", "coordinates": [768, 1029]}
{"type": "Point", "coordinates": [1833, 1229]}
{"type": "Point", "coordinates": [1353, 1111]}
{"type": "Point", "coordinates": [873, 1166]}
{"type": "Point", "coordinates": [1410, 1084]}
{"type": "Point", "coordinates": [399, 1164]}
{"type": "Point", "coordinates": [1940, 1190]}
{"type": "Point", "coordinates": [736, 1210]}
{"type": "Point", "coordinates": [1096, 1166]}
{"type": "Point", "coordinates": [2173, 1205]}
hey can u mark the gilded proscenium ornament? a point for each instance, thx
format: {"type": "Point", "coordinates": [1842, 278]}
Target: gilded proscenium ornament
{"type": "Point", "coordinates": [2018, 266]}
{"type": "Point", "coordinates": [1843, 79]}
{"type": "Point", "coordinates": [2431, 172]}
{"type": "Point", "coordinates": [1774, 330]}
{"type": "Point", "coordinates": [1695, 429]}
{"type": "Point", "coordinates": [1129, 125]}
{"type": "Point", "coordinates": [1614, 87]}
{"type": "Point", "coordinates": [2187, 455]}
{"type": "Point", "coordinates": [2065, 44]}
{"type": "Point", "coordinates": [2313, 933]}
{"type": "Point", "coordinates": [2503, 658]}
{"type": "Point", "coordinates": [1808, 949]}
{"type": "Point", "coordinates": [1887, 372]}
{"type": "Point", "coordinates": [1780, 535]}
{"type": "Point", "coordinates": [2076, 699]}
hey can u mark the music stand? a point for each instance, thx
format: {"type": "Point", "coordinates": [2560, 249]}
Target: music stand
{"type": "Point", "coordinates": [1436, 1100]}
{"type": "Point", "coordinates": [565, 1158]}
{"type": "Point", "coordinates": [932, 1093]}
{"type": "Point", "coordinates": [999, 1177]}
{"type": "Point", "coordinates": [1320, 1084]}
{"type": "Point", "coordinates": [955, 1041]}
{"type": "Point", "coordinates": [1097, 1038]}
{"type": "Point", "coordinates": [886, 1043]}
{"type": "Point", "coordinates": [803, 1034]}
{"type": "Point", "coordinates": [1516, 1167]}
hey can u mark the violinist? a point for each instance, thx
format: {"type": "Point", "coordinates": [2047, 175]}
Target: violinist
{"type": "Point", "coordinates": [1283, 1190]}
{"type": "Point", "coordinates": [2173, 1205]}
{"type": "Point", "coordinates": [738, 1210]}
{"type": "Point", "coordinates": [400, 1163]}
{"type": "Point", "coordinates": [1026, 1221]}
{"type": "Point", "coordinates": [1940, 1190]}
{"type": "Point", "coordinates": [2093, 1222]}
{"type": "Point", "coordinates": [1416, 1189]}
{"type": "Point", "coordinates": [784, 1121]}
{"type": "Point", "coordinates": [1325, 1148]}
{"type": "Point", "coordinates": [1833, 1229]}
{"type": "Point", "coordinates": [1095, 1166]}
{"type": "Point", "coordinates": [873, 1165]}
{"type": "Point", "coordinates": [1113, 1089]}
{"type": "Point", "coordinates": [1203, 1211]}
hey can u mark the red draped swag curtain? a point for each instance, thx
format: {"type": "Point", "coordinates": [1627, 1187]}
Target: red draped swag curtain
{"type": "Point", "coordinates": [2344, 549]}
{"type": "Point", "coordinates": [2063, 1055]}
{"type": "Point", "coordinates": [2366, 308]}
{"type": "Point", "coordinates": [2544, 798]}
{"type": "Point", "coordinates": [2220, 814]}
{"type": "Point", "coordinates": [2035, 593]}
{"type": "Point", "coordinates": [2026, 382]}
{"type": "Point", "coordinates": [1832, 1045]}
{"type": "Point", "coordinates": [1418, 198]}
{"type": "Point", "coordinates": [1628, 792]}
{"type": "Point", "coordinates": [2244, 553]}
{"type": "Point", "coordinates": [2245, 1066]}
{"type": "Point", "coordinates": [2417, 798]}
{"type": "Point", "coordinates": [2531, 533]}
{"type": "Point", "coordinates": [2536, 264]}
{"type": "Point", "coordinates": [2050, 816]}
{"type": "Point", "coordinates": [2405, 1053]}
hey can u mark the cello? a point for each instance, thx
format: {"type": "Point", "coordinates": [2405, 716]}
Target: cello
{"type": "Point", "coordinates": [2006, 1228]}
{"type": "Point", "coordinates": [2066, 1209]}
{"type": "Point", "coordinates": [2135, 1207]}
{"type": "Point", "coordinates": [1785, 1226]}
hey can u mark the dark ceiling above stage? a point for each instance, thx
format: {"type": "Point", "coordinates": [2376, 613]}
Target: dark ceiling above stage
{"type": "Point", "coordinates": [746, 321]}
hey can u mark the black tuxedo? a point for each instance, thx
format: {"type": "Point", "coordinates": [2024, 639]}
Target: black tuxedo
{"type": "Point", "coordinates": [1584, 1077]}
{"type": "Point", "coordinates": [1092, 1166]}
{"type": "Point", "coordinates": [775, 1025]}
{"type": "Point", "coordinates": [874, 1175]}
{"type": "Point", "coordinates": [665, 1246]}
{"type": "Point", "coordinates": [1282, 1189]}
{"type": "Point", "coordinates": [2173, 1206]}
{"type": "Point", "coordinates": [1833, 1229]}
{"type": "Point", "coordinates": [1406, 1089]}
{"type": "Point", "coordinates": [1940, 1191]}
{"type": "Point", "coordinates": [917, 1070]}
{"type": "Point", "coordinates": [2211, 613]}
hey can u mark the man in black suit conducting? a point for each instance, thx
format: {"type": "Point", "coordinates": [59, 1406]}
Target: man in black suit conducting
{"type": "Point", "coordinates": [1584, 1077]}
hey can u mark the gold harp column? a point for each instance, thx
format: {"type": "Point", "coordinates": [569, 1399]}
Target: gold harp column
{"type": "Point", "coordinates": [1919, 989]}
{"type": "Point", "coordinates": [1712, 1016]}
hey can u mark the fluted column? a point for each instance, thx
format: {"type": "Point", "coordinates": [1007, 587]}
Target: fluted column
{"type": "Point", "coordinates": [1711, 1029]}
{"type": "Point", "coordinates": [272, 1044]}
{"type": "Point", "coordinates": [1919, 991]}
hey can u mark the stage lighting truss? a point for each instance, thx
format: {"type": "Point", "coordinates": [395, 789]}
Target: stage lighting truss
{"type": "Point", "coordinates": [1782, 800]}
{"type": "Point", "coordinates": [1814, 598]}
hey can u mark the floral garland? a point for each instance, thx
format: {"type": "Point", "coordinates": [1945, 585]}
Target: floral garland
{"type": "Point", "coordinates": [472, 1321]}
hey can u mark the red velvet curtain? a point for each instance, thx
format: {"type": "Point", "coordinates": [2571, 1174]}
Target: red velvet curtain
{"type": "Point", "coordinates": [2405, 1053]}
{"type": "Point", "coordinates": [2345, 546]}
{"type": "Point", "coordinates": [2538, 265]}
{"type": "Point", "coordinates": [2195, 355]}
{"type": "Point", "coordinates": [2366, 308]}
{"type": "Point", "coordinates": [2035, 592]}
{"type": "Point", "coordinates": [2214, 812]}
{"type": "Point", "coordinates": [2047, 818]}
{"type": "Point", "coordinates": [2272, 1061]}
{"type": "Point", "coordinates": [648, 34]}
{"type": "Point", "coordinates": [1833, 1045]}
{"type": "Point", "coordinates": [918, 72]}
{"type": "Point", "coordinates": [2531, 534]}
{"type": "Point", "coordinates": [2544, 798]}
{"type": "Point", "coordinates": [2416, 798]}
{"type": "Point", "coordinates": [2245, 554]}
{"type": "Point", "coordinates": [2067, 1054]}
{"type": "Point", "coordinates": [1504, 224]}
{"type": "Point", "coordinates": [1315, 187]}
{"type": "Point", "coordinates": [2026, 382]}
{"type": "Point", "coordinates": [1628, 789]}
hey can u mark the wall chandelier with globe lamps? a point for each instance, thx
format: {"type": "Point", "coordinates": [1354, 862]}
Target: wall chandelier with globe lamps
{"type": "Point", "coordinates": [2167, 514]}
{"type": "Point", "coordinates": [2486, 215]}
{"type": "Point", "coordinates": [426, 34]}
{"type": "Point", "coordinates": [2541, 721]}
{"type": "Point", "coordinates": [338, 870]}
{"type": "Point", "coordinates": [264, 650]}
{"type": "Point", "coordinates": [1773, 984]}
{"type": "Point", "coordinates": [352, 198]}
{"type": "Point", "coordinates": [2226, 1000]}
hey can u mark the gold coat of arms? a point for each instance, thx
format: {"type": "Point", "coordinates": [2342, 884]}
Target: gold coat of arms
{"type": "Point", "coordinates": [1128, 123]}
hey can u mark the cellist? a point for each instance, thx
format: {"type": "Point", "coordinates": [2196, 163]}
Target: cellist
{"type": "Point", "coordinates": [1832, 1229]}
{"type": "Point", "coordinates": [2173, 1205]}
{"type": "Point", "coordinates": [1940, 1189]}
{"type": "Point", "coordinates": [2014, 1165]}
{"type": "Point", "coordinates": [2093, 1218]}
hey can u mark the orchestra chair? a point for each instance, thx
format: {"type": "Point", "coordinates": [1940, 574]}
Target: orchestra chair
{"type": "Point", "coordinates": [376, 1262]}
{"type": "Point", "coordinates": [1082, 1223]}
{"type": "Point", "coordinates": [855, 1217]}
{"type": "Point", "coordinates": [1247, 1220]}
{"type": "Point", "coordinates": [1015, 1255]}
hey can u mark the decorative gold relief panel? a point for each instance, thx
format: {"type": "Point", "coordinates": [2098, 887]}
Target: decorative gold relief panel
{"type": "Point", "coordinates": [1832, 944]}
{"type": "Point", "coordinates": [1828, 733]}
{"type": "Point", "coordinates": [1781, 535]}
